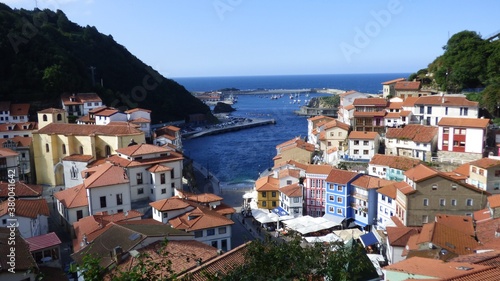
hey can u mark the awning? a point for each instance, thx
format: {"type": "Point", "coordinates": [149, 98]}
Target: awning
{"type": "Point", "coordinates": [280, 211]}
{"type": "Point", "coordinates": [334, 218]}
{"type": "Point", "coordinates": [368, 239]}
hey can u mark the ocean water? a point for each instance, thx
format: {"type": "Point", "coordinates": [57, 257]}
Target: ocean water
{"type": "Point", "coordinates": [236, 158]}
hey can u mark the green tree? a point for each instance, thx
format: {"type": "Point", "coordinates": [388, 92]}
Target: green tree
{"type": "Point", "coordinates": [89, 268]}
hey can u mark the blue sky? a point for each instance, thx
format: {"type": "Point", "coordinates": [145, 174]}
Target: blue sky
{"type": "Point", "coordinates": [182, 38]}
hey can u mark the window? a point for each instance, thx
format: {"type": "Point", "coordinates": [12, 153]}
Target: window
{"type": "Point", "coordinates": [356, 151]}
{"type": "Point", "coordinates": [59, 117]}
{"type": "Point", "coordinates": [389, 200]}
{"type": "Point", "coordinates": [442, 202]}
{"type": "Point", "coordinates": [365, 143]}
{"type": "Point", "coordinates": [222, 230]}
{"type": "Point", "coordinates": [164, 214]}
{"type": "Point", "coordinates": [273, 194]}
{"type": "Point", "coordinates": [273, 203]}
{"type": "Point", "coordinates": [140, 190]}
{"type": "Point", "coordinates": [429, 109]}
{"type": "Point", "coordinates": [81, 149]}
{"type": "Point", "coordinates": [434, 187]}
{"type": "Point", "coordinates": [47, 149]}
{"type": "Point", "coordinates": [162, 178]}
{"type": "Point", "coordinates": [365, 152]}
{"type": "Point", "coordinates": [339, 199]}
{"type": "Point", "coordinates": [79, 214]}
{"type": "Point", "coordinates": [469, 202]}
{"type": "Point", "coordinates": [426, 202]}
{"type": "Point", "coordinates": [446, 111]}
{"type": "Point", "coordinates": [107, 148]}
{"type": "Point", "coordinates": [497, 173]}
{"type": "Point", "coordinates": [464, 111]}
{"type": "Point", "coordinates": [474, 169]}
{"type": "Point", "coordinates": [425, 219]}
{"type": "Point", "coordinates": [264, 194]}
{"type": "Point", "coordinates": [421, 109]}
{"type": "Point", "coordinates": [374, 170]}
{"type": "Point", "coordinates": [446, 130]}
{"type": "Point", "coordinates": [356, 142]}
{"type": "Point", "coordinates": [211, 232]}
{"type": "Point", "coordinates": [481, 172]}
{"type": "Point", "coordinates": [453, 202]}
{"type": "Point", "coordinates": [296, 200]}
{"type": "Point", "coordinates": [44, 117]}
{"type": "Point", "coordinates": [163, 190]}
{"type": "Point", "coordinates": [172, 174]}
{"type": "Point", "coordinates": [119, 199]}
{"type": "Point", "coordinates": [453, 187]}
{"type": "Point", "coordinates": [288, 182]}
{"type": "Point", "coordinates": [496, 186]}
{"type": "Point", "coordinates": [138, 176]}
{"type": "Point", "coordinates": [330, 209]}
{"type": "Point", "coordinates": [331, 197]}
{"type": "Point", "coordinates": [340, 188]}
{"type": "Point", "coordinates": [264, 204]}
{"type": "Point", "coordinates": [339, 134]}
{"type": "Point", "coordinates": [103, 201]}
{"type": "Point", "coordinates": [198, 234]}
{"type": "Point", "coordinates": [339, 211]}
{"type": "Point", "coordinates": [172, 185]}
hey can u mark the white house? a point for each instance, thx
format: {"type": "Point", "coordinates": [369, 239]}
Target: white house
{"type": "Point", "coordinates": [390, 167]}
{"type": "Point", "coordinates": [287, 176]}
{"type": "Point", "coordinates": [9, 165]}
{"type": "Point", "coordinates": [462, 138]}
{"type": "Point", "coordinates": [108, 115]}
{"type": "Point", "coordinates": [346, 108]}
{"type": "Point", "coordinates": [14, 112]}
{"type": "Point", "coordinates": [291, 199]}
{"type": "Point", "coordinates": [12, 130]}
{"type": "Point", "coordinates": [414, 141]}
{"type": "Point", "coordinates": [397, 239]}
{"type": "Point", "coordinates": [142, 118]}
{"type": "Point", "coordinates": [72, 204]}
{"type": "Point", "coordinates": [312, 127]}
{"type": "Point", "coordinates": [31, 216]}
{"type": "Point", "coordinates": [155, 172]}
{"type": "Point", "coordinates": [168, 135]}
{"type": "Point", "coordinates": [363, 145]}
{"type": "Point", "coordinates": [80, 104]}
{"type": "Point", "coordinates": [73, 165]}
{"type": "Point", "coordinates": [429, 110]}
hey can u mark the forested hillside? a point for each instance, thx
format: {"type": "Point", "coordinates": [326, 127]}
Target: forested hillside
{"type": "Point", "coordinates": [468, 62]}
{"type": "Point", "coordinates": [44, 54]}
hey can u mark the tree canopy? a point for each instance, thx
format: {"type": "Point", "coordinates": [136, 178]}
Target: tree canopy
{"type": "Point", "coordinates": [44, 54]}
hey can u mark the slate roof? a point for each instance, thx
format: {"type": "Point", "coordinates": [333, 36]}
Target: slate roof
{"type": "Point", "coordinates": [414, 132]}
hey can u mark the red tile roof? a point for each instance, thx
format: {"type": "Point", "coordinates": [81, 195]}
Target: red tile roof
{"type": "Point", "coordinates": [394, 161]}
{"type": "Point", "coordinates": [407, 86]}
{"type": "Point", "coordinates": [410, 101]}
{"type": "Point", "coordinates": [463, 224]}
{"type": "Point", "coordinates": [319, 169]}
{"type": "Point", "coordinates": [362, 135]}
{"type": "Point", "coordinates": [74, 197]}
{"type": "Point", "coordinates": [267, 183]}
{"type": "Point", "coordinates": [320, 117]}
{"type": "Point", "coordinates": [395, 105]}
{"type": "Point", "coordinates": [293, 190]}
{"type": "Point", "coordinates": [341, 176]}
{"type": "Point", "coordinates": [137, 109]}
{"type": "Point", "coordinates": [7, 152]}
{"type": "Point", "coordinates": [205, 198]}
{"type": "Point", "coordinates": [295, 173]}
{"type": "Point", "coordinates": [80, 98]}
{"type": "Point", "coordinates": [390, 190]}
{"type": "Point", "coordinates": [19, 141]}
{"type": "Point", "coordinates": [200, 218]}
{"type": "Point", "coordinates": [369, 182]}
{"type": "Point", "coordinates": [44, 241]}
{"type": "Point", "coordinates": [86, 130]}
{"type": "Point", "coordinates": [370, 101]}
{"type": "Point", "coordinates": [348, 93]}
{"type": "Point", "coordinates": [449, 238]}
{"type": "Point", "coordinates": [336, 124]}
{"type": "Point", "coordinates": [393, 81]}
{"type": "Point", "coordinates": [104, 175]}
{"type": "Point", "coordinates": [21, 189]}
{"type": "Point", "coordinates": [446, 101]}
{"type": "Point", "coordinates": [464, 122]}
{"type": "Point", "coordinates": [172, 157]}
{"type": "Point", "coordinates": [159, 168]}
{"type": "Point", "coordinates": [414, 132]}
{"type": "Point", "coordinates": [399, 236]}
{"type": "Point", "coordinates": [380, 113]}
{"type": "Point", "coordinates": [420, 172]}
{"type": "Point", "coordinates": [79, 158]}
{"type": "Point", "coordinates": [52, 110]}
{"type": "Point", "coordinates": [485, 163]}
{"type": "Point", "coordinates": [494, 201]}
{"type": "Point", "coordinates": [169, 204]}
{"type": "Point", "coordinates": [30, 208]}
{"type": "Point", "coordinates": [19, 109]}
{"type": "Point", "coordinates": [142, 149]}
{"type": "Point", "coordinates": [463, 169]}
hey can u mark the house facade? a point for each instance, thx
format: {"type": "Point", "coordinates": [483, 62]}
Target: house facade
{"type": "Point", "coordinates": [413, 141]}
{"type": "Point", "coordinates": [314, 185]}
{"type": "Point", "coordinates": [390, 167]}
{"type": "Point", "coordinates": [295, 149]}
{"type": "Point", "coordinates": [405, 89]}
{"type": "Point", "coordinates": [267, 188]}
{"type": "Point", "coordinates": [31, 216]}
{"type": "Point", "coordinates": [462, 138]}
{"type": "Point", "coordinates": [485, 174]}
{"type": "Point", "coordinates": [79, 104]}
{"type": "Point", "coordinates": [338, 194]}
{"type": "Point", "coordinates": [363, 145]}
{"type": "Point", "coordinates": [388, 87]}
{"type": "Point", "coordinates": [9, 165]}
{"type": "Point", "coordinates": [346, 107]}
{"type": "Point", "coordinates": [428, 110]}
{"type": "Point", "coordinates": [369, 114]}
{"type": "Point", "coordinates": [291, 199]}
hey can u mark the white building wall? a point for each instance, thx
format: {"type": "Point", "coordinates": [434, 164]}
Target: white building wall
{"type": "Point", "coordinates": [28, 227]}
{"type": "Point", "coordinates": [73, 173]}
{"type": "Point", "coordinates": [166, 216]}
{"type": "Point", "coordinates": [110, 192]}
{"type": "Point", "coordinates": [474, 140]}
{"type": "Point", "coordinates": [384, 210]}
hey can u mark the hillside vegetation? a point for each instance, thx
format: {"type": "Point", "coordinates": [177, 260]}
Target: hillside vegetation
{"type": "Point", "coordinates": [468, 62]}
{"type": "Point", "coordinates": [44, 54]}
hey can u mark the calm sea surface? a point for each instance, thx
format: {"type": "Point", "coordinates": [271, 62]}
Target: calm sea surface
{"type": "Point", "coordinates": [236, 158]}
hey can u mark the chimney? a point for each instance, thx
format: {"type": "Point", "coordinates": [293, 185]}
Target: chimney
{"type": "Point", "coordinates": [117, 254]}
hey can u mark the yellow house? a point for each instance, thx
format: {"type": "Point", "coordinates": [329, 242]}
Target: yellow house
{"type": "Point", "coordinates": [54, 141]}
{"type": "Point", "coordinates": [267, 192]}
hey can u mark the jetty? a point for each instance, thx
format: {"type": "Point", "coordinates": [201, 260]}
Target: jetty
{"type": "Point", "coordinates": [315, 111]}
{"type": "Point", "coordinates": [248, 123]}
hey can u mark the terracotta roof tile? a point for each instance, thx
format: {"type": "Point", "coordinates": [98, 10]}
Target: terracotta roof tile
{"type": "Point", "coordinates": [30, 208]}
{"type": "Point", "coordinates": [336, 124]}
{"type": "Point", "coordinates": [394, 161]}
{"type": "Point", "coordinates": [494, 201]}
{"type": "Point", "coordinates": [295, 173]}
{"type": "Point", "coordinates": [200, 218]}
{"type": "Point", "coordinates": [399, 236]}
{"type": "Point", "coordinates": [79, 158]}
{"type": "Point", "coordinates": [464, 122]}
{"type": "Point", "coordinates": [369, 182]}
{"type": "Point", "coordinates": [142, 149]}
{"type": "Point", "coordinates": [73, 197]}
{"type": "Point", "coordinates": [370, 101]}
{"type": "Point", "coordinates": [159, 168]}
{"type": "Point", "coordinates": [18, 140]}
{"type": "Point", "coordinates": [463, 224]}
{"type": "Point", "coordinates": [393, 115]}
{"type": "Point", "coordinates": [320, 117]}
{"type": "Point", "coordinates": [407, 86]}
{"type": "Point", "coordinates": [390, 190]}
{"type": "Point", "coordinates": [205, 198]}
{"type": "Point", "coordinates": [86, 130]}
{"type": "Point", "coordinates": [104, 175]}
{"type": "Point", "coordinates": [108, 112]}
{"type": "Point", "coordinates": [19, 109]}
{"type": "Point", "coordinates": [293, 190]}
{"type": "Point", "coordinates": [393, 81]}
{"type": "Point", "coordinates": [446, 101]}
{"type": "Point", "coordinates": [420, 172]}
{"type": "Point", "coordinates": [348, 93]}
{"type": "Point", "coordinates": [137, 109]}
{"type": "Point", "coordinates": [485, 163]}
{"type": "Point", "coordinates": [349, 107]}
{"type": "Point", "coordinates": [482, 215]}
{"type": "Point", "coordinates": [449, 238]}
{"type": "Point", "coordinates": [22, 190]}
{"type": "Point", "coordinates": [140, 120]}
{"type": "Point", "coordinates": [362, 135]}
{"type": "Point", "coordinates": [410, 101]}
{"type": "Point", "coordinates": [172, 157]}
{"type": "Point", "coordinates": [169, 204]}
{"type": "Point", "coordinates": [319, 169]}
{"type": "Point", "coordinates": [380, 113]}
{"type": "Point", "coordinates": [463, 169]}
{"type": "Point", "coordinates": [41, 242]}
{"type": "Point", "coordinates": [341, 176]}
{"type": "Point", "coordinates": [267, 184]}
{"type": "Point", "coordinates": [52, 110]}
{"type": "Point", "coordinates": [414, 132]}
{"type": "Point", "coordinates": [7, 152]}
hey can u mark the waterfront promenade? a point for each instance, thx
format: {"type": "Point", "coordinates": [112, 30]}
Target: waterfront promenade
{"type": "Point", "coordinates": [218, 129]}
